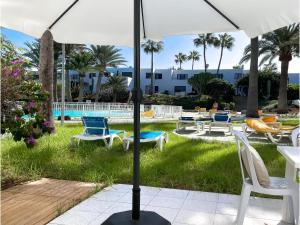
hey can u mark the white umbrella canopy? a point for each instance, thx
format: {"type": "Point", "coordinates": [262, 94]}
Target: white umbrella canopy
{"type": "Point", "coordinates": [111, 21]}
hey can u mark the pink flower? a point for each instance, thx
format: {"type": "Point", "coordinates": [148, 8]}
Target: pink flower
{"type": "Point", "coordinates": [31, 105]}
{"type": "Point", "coordinates": [30, 140]}
{"type": "Point", "coordinates": [47, 123]}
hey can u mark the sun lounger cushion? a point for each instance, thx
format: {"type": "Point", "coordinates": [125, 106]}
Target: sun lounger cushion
{"type": "Point", "coordinates": [260, 168]}
{"type": "Point", "coordinates": [150, 134]}
{"type": "Point", "coordinates": [221, 117]}
{"type": "Point", "coordinates": [260, 126]}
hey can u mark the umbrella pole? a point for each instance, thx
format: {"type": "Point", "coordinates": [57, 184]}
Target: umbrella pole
{"type": "Point", "coordinates": [136, 114]}
{"type": "Point", "coordinates": [135, 216]}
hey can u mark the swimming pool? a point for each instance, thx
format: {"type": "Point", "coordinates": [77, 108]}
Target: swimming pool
{"type": "Point", "coordinates": [79, 113]}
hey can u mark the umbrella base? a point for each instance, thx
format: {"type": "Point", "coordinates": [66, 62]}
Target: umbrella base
{"type": "Point", "coordinates": [146, 218]}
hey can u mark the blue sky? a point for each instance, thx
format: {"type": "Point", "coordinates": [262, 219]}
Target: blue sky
{"type": "Point", "coordinates": [173, 45]}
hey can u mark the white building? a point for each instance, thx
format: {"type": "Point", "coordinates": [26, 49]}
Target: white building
{"type": "Point", "coordinates": [168, 81]}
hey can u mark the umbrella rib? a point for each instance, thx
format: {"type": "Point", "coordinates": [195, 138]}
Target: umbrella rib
{"type": "Point", "coordinates": [61, 15]}
{"type": "Point", "coordinates": [143, 21]}
{"type": "Point", "coordinates": [222, 14]}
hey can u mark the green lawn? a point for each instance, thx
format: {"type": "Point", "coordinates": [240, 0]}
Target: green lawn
{"type": "Point", "coordinates": [187, 164]}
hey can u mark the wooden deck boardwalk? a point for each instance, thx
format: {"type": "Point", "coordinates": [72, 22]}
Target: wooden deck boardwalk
{"type": "Point", "coordinates": [41, 201]}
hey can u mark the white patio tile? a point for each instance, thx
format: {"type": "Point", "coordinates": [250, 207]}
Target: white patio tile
{"type": "Point", "coordinates": [145, 199]}
{"type": "Point", "coordinates": [93, 205]}
{"type": "Point", "coordinates": [227, 208]}
{"type": "Point", "coordinates": [252, 221]}
{"type": "Point", "coordinates": [100, 219]}
{"type": "Point", "coordinates": [167, 213]}
{"type": "Point", "coordinates": [119, 187]}
{"type": "Point", "coordinates": [203, 196]}
{"type": "Point", "coordinates": [224, 219]}
{"type": "Point", "coordinates": [174, 203]}
{"type": "Point", "coordinates": [264, 212]}
{"type": "Point", "coordinates": [200, 206]}
{"type": "Point", "coordinates": [73, 217]}
{"type": "Point", "coordinates": [110, 196]}
{"type": "Point", "coordinates": [173, 193]}
{"type": "Point", "coordinates": [227, 198]}
{"type": "Point", "coordinates": [194, 218]}
{"type": "Point", "coordinates": [145, 190]}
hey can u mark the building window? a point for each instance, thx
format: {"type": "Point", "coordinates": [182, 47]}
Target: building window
{"type": "Point", "coordinates": [127, 74]}
{"type": "Point", "coordinates": [92, 75]}
{"type": "Point", "coordinates": [148, 75]}
{"type": "Point", "coordinates": [238, 76]}
{"type": "Point", "coordinates": [180, 89]}
{"type": "Point", "coordinates": [156, 89]}
{"type": "Point", "coordinates": [182, 76]}
{"type": "Point", "coordinates": [158, 76]}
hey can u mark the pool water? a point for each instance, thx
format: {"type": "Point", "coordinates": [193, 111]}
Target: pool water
{"type": "Point", "coordinates": [77, 113]}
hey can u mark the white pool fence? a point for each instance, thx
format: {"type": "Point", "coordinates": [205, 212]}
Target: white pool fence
{"type": "Point", "coordinates": [123, 110]}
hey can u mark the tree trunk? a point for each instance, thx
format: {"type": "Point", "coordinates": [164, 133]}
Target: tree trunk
{"type": "Point", "coordinates": [204, 57]}
{"type": "Point", "coordinates": [252, 99]}
{"type": "Point", "coordinates": [67, 87]}
{"type": "Point", "coordinates": [55, 84]}
{"type": "Point", "coordinates": [98, 86]}
{"type": "Point", "coordinates": [81, 88]}
{"type": "Point", "coordinates": [282, 98]}
{"type": "Point", "coordinates": [46, 67]}
{"type": "Point", "coordinates": [192, 64]}
{"type": "Point", "coordinates": [152, 76]}
{"type": "Point", "coordinates": [180, 65]}
{"type": "Point", "coordinates": [114, 97]}
{"type": "Point", "coordinates": [220, 60]}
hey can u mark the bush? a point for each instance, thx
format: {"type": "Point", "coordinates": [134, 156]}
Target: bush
{"type": "Point", "coordinates": [199, 81]}
{"type": "Point", "coordinates": [220, 89]}
{"type": "Point", "coordinates": [22, 105]}
{"type": "Point", "coordinates": [293, 91]}
{"type": "Point", "coordinates": [263, 78]}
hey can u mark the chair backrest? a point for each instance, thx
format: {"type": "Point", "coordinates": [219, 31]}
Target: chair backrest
{"type": "Point", "coordinates": [221, 117]}
{"type": "Point", "coordinates": [244, 145]}
{"type": "Point", "coordinates": [269, 118]}
{"type": "Point", "coordinates": [95, 125]}
{"type": "Point", "coordinates": [295, 136]}
{"type": "Point", "coordinates": [186, 118]}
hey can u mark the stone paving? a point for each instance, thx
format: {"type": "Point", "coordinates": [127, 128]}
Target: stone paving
{"type": "Point", "coordinates": [180, 207]}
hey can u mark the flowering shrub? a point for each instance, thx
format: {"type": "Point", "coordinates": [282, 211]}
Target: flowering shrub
{"type": "Point", "coordinates": [22, 104]}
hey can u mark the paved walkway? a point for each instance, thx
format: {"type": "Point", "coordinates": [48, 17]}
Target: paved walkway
{"type": "Point", "coordinates": [40, 201]}
{"type": "Point", "coordinates": [180, 207]}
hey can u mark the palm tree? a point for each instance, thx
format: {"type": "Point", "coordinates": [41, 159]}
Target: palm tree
{"type": "Point", "coordinates": [224, 41]}
{"type": "Point", "coordinates": [116, 84]}
{"type": "Point", "coordinates": [105, 56]}
{"type": "Point", "coordinates": [69, 50]}
{"type": "Point", "coordinates": [180, 58]}
{"type": "Point", "coordinates": [32, 52]}
{"type": "Point", "coordinates": [204, 40]}
{"type": "Point", "coordinates": [282, 43]}
{"type": "Point", "coordinates": [194, 56]}
{"type": "Point", "coordinates": [81, 62]}
{"type": "Point", "coordinates": [151, 47]}
{"type": "Point", "coordinates": [252, 99]}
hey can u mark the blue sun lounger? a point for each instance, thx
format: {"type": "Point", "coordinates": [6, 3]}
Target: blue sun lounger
{"type": "Point", "coordinates": [96, 128]}
{"type": "Point", "coordinates": [148, 136]}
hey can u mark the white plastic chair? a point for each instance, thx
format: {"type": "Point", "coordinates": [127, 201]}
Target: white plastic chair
{"type": "Point", "coordinates": [295, 137]}
{"type": "Point", "coordinates": [278, 186]}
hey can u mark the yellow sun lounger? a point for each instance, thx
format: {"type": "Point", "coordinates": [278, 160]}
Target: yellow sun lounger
{"type": "Point", "coordinates": [274, 134]}
{"type": "Point", "coordinates": [148, 114]}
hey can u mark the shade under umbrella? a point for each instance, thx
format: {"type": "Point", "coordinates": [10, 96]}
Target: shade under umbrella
{"type": "Point", "coordinates": [112, 22]}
